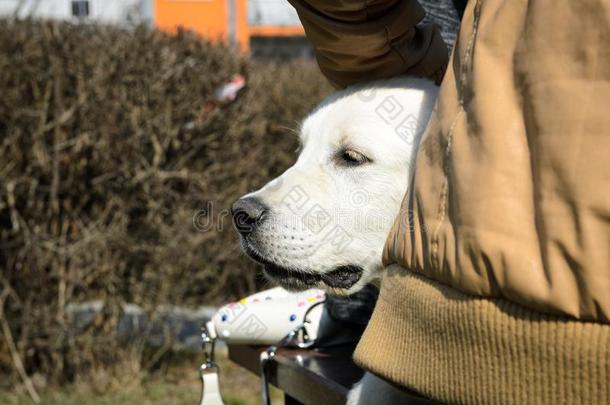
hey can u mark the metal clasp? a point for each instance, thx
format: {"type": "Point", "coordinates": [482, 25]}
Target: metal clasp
{"type": "Point", "coordinates": [291, 338]}
{"type": "Point", "coordinates": [208, 344]}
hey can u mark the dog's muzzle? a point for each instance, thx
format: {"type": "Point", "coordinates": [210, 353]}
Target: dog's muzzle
{"type": "Point", "coordinates": [248, 214]}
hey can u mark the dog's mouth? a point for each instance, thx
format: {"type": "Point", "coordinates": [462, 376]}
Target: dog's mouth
{"type": "Point", "coordinates": [341, 277]}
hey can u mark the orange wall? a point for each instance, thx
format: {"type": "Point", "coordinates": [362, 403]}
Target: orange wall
{"type": "Point", "coordinates": [242, 30]}
{"type": "Point", "coordinates": [206, 17]}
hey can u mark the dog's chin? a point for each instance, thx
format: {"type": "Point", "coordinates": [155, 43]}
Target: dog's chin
{"type": "Point", "coordinates": [339, 280]}
{"type": "Point", "coordinates": [291, 280]}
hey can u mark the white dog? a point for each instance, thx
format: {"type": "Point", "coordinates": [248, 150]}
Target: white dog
{"type": "Point", "coordinates": [324, 222]}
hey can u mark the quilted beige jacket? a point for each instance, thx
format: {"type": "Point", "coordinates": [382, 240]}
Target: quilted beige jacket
{"type": "Point", "coordinates": [498, 284]}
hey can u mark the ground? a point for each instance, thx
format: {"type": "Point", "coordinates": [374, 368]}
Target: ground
{"type": "Point", "coordinates": [178, 384]}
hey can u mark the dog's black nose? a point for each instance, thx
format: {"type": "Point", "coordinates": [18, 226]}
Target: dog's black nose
{"type": "Point", "coordinates": [247, 214]}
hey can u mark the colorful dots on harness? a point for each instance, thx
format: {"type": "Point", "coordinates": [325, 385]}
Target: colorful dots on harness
{"type": "Point", "coordinates": [224, 317]}
{"type": "Point", "coordinates": [293, 317]}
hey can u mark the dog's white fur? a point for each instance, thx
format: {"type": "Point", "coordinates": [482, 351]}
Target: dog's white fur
{"type": "Point", "coordinates": [383, 122]}
{"type": "Point", "coordinates": [355, 205]}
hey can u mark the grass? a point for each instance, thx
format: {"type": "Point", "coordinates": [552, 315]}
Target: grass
{"type": "Point", "coordinates": [177, 384]}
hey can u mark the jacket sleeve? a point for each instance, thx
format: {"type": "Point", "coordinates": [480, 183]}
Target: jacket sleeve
{"type": "Point", "coordinates": [367, 40]}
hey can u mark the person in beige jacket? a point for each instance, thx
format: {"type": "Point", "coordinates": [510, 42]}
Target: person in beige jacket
{"type": "Point", "coordinates": [498, 281]}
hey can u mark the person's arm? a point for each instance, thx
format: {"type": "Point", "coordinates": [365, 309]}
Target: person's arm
{"type": "Point", "coordinates": [366, 40]}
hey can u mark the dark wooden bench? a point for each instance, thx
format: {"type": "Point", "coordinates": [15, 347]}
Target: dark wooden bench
{"type": "Point", "coordinates": [305, 376]}
{"type": "Point", "coordinates": [316, 377]}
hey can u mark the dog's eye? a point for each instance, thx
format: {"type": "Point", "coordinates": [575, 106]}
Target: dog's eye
{"type": "Point", "coordinates": [350, 157]}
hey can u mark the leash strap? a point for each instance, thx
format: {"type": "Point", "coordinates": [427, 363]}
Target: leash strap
{"type": "Point", "coordinates": [264, 361]}
{"type": "Point", "coordinates": [210, 389]}
{"type": "Point", "coordinates": [210, 394]}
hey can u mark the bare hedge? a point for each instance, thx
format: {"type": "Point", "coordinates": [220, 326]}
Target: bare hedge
{"type": "Point", "coordinates": [108, 152]}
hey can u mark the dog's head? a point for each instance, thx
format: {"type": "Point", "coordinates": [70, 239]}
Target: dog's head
{"type": "Point", "coordinates": [323, 223]}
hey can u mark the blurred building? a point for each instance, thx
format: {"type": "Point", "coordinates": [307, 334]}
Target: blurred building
{"type": "Point", "coordinates": [266, 28]}
{"type": "Point", "coordinates": [275, 30]}
{"type": "Point", "coordinates": [105, 11]}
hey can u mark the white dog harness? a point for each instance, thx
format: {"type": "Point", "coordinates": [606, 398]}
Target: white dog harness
{"type": "Point", "coordinates": [276, 317]}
